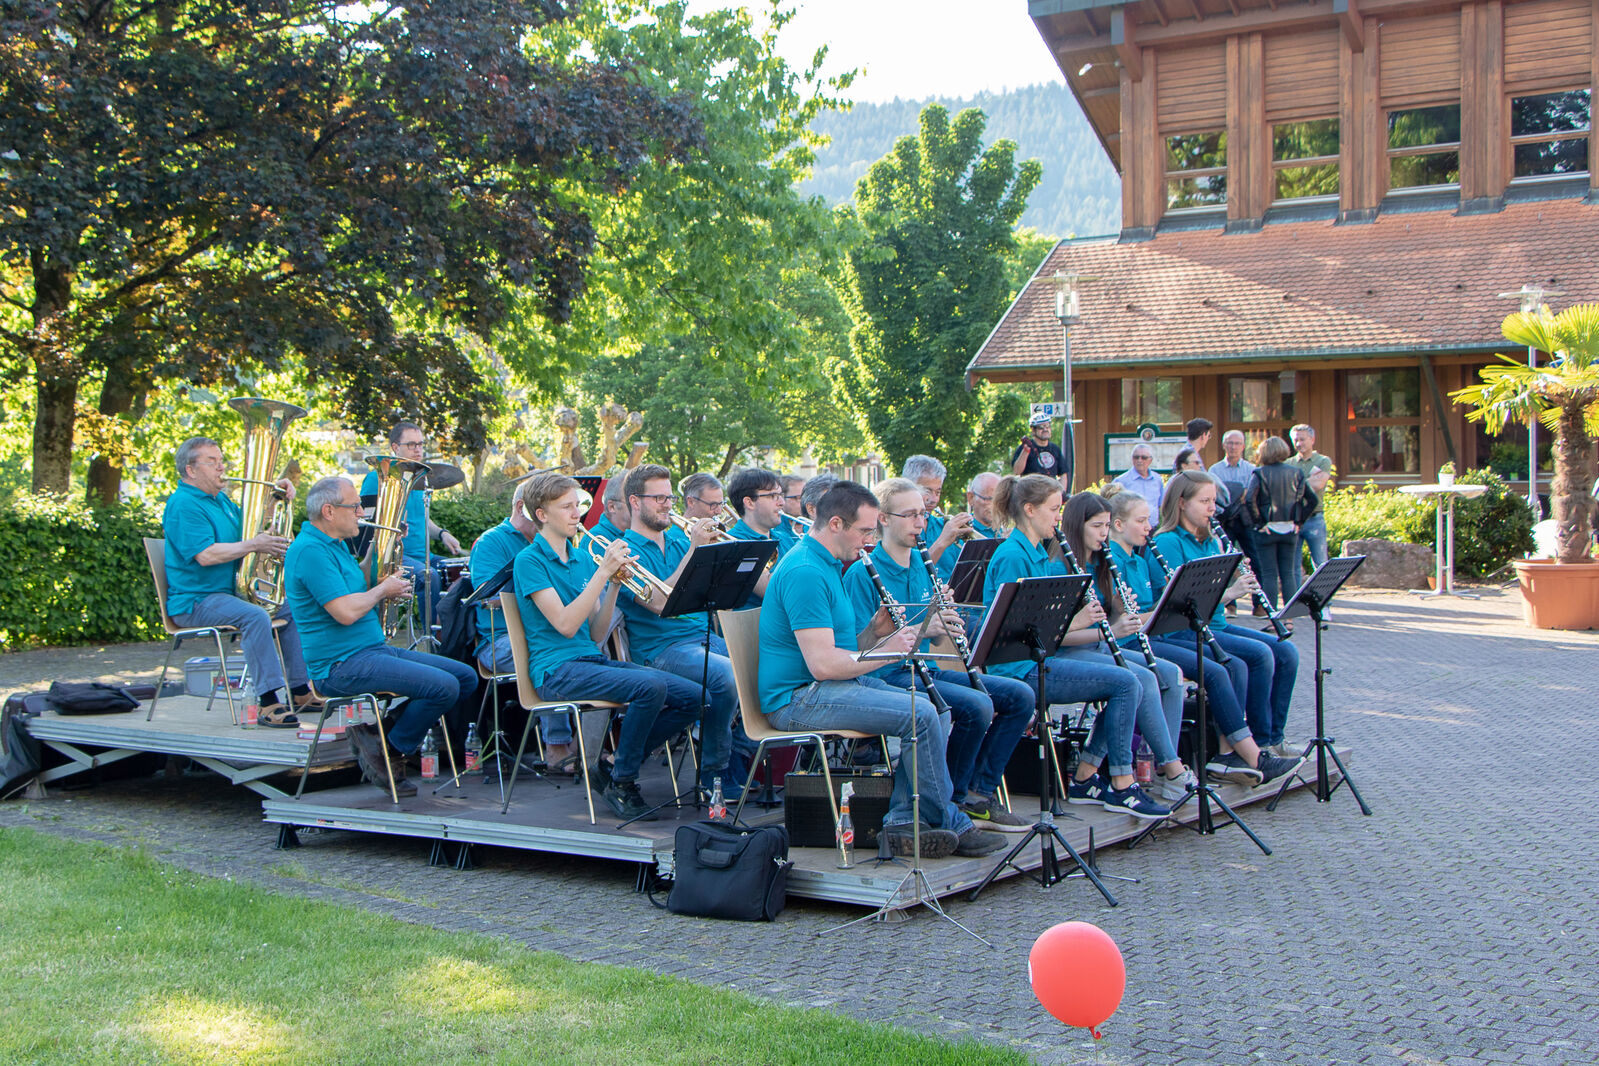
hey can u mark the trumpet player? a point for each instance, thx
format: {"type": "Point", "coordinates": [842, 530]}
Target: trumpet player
{"type": "Point", "coordinates": [980, 502]}
{"type": "Point", "coordinates": [202, 526]}
{"type": "Point", "coordinates": [343, 634]}
{"type": "Point", "coordinates": [565, 594]}
{"type": "Point", "coordinates": [677, 645]}
{"type": "Point", "coordinates": [702, 495]}
{"type": "Point", "coordinates": [984, 726]}
{"type": "Point", "coordinates": [944, 534]}
{"type": "Point", "coordinates": [757, 496]}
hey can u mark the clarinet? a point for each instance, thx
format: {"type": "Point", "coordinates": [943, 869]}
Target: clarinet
{"type": "Point", "coordinates": [1070, 558]}
{"type": "Point", "coordinates": [941, 603]}
{"type": "Point", "coordinates": [1258, 598]}
{"type": "Point", "coordinates": [1130, 605]}
{"type": "Point", "coordinates": [1204, 628]}
{"type": "Point", "coordinates": [897, 613]}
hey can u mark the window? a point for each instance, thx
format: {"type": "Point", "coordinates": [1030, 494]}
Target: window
{"type": "Point", "coordinates": [1549, 133]}
{"type": "Point", "coordinates": [1384, 421]}
{"type": "Point", "coordinates": [1304, 159]}
{"type": "Point", "coordinates": [1424, 147]}
{"type": "Point", "coordinates": [1196, 170]}
{"type": "Point", "coordinates": [1156, 400]}
{"type": "Point", "coordinates": [1262, 406]}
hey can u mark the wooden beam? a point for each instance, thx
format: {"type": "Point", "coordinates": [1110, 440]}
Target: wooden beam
{"type": "Point", "coordinates": [1076, 44]}
{"type": "Point", "coordinates": [1099, 94]}
{"type": "Point", "coordinates": [1350, 22]}
{"type": "Point", "coordinates": [1088, 17]}
{"type": "Point", "coordinates": [1291, 17]}
{"type": "Point", "coordinates": [1233, 4]}
{"type": "Point", "coordinates": [1193, 5]}
{"type": "Point", "coordinates": [1160, 12]}
{"type": "Point", "coordinates": [1123, 36]}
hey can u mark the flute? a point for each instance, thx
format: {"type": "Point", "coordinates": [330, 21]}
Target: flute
{"type": "Point", "coordinates": [1070, 558]}
{"type": "Point", "coordinates": [897, 613]}
{"type": "Point", "coordinates": [941, 603]}
{"type": "Point", "coordinates": [1204, 628]}
{"type": "Point", "coordinates": [1130, 605]}
{"type": "Point", "coordinates": [1258, 597]}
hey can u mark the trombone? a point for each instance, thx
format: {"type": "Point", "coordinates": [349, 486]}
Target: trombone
{"type": "Point", "coordinates": [643, 585]}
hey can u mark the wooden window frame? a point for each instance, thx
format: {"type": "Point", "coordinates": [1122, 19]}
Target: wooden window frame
{"type": "Point", "coordinates": [1545, 138]}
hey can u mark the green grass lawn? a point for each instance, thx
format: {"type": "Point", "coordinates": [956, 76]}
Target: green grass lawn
{"type": "Point", "coordinates": [111, 957]}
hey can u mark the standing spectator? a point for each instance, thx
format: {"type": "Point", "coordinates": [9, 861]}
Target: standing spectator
{"type": "Point", "coordinates": [1036, 455]}
{"type": "Point", "coordinates": [1278, 501]}
{"type": "Point", "coordinates": [1233, 472]}
{"type": "Point", "coordinates": [1141, 479]}
{"type": "Point", "coordinates": [1199, 433]}
{"type": "Point", "coordinates": [1318, 471]}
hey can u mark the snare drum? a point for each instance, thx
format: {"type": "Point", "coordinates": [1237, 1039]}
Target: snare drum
{"type": "Point", "coordinates": [451, 569]}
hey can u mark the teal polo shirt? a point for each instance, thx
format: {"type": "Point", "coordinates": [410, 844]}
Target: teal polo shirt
{"type": "Point", "coordinates": [604, 528]}
{"type": "Point", "coordinates": [416, 536]}
{"type": "Point", "coordinates": [945, 567]}
{"type": "Point", "coordinates": [490, 554]}
{"type": "Point", "coordinates": [987, 531]}
{"type": "Point", "coordinates": [787, 533]}
{"type": "Point", "coordinates": [1136, 574]}
{"type": "Point", "coordinates": [806, 592]}
{"type": "Point", "coordinates": [1016, 558]}
{"type": "Point", "coordinates": [321, 569]}
{"type": "Point", "coordinates": [191, 523]}
{"type": "Point", "coordinates": [1178, 546]}
{"type": "Point", "coordinates": [648, 634]}
{"type": "Point", "coordinates": [539, 568]}
{"type": "Point", "coordinates": [907, 584]}
{"type": "Point", "coordinates": [743, 531]}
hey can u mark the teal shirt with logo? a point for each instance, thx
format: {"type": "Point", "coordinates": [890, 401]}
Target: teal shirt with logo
{"type": "Point", "coordinates": [648, 634]}
{"type": "Point", "coordinates": [1178, 546]}
{"type": "Point", "coordinates": [538, 568]}
{"type": "Point", "coordinates": [492, 552]}
{"type": "Point", "coordinates": [1017, 557]}
{"type": "Point", "coordinates": [806, 591]}
{"type": "Point", "coordinates": [321, 569]}
{"type": "Point", "coordinates": [191, 523]}
{"type": "Point", "coordinates": [907, 584]}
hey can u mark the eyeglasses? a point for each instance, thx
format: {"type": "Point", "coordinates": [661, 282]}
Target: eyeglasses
{"type": "Point", "coordinates": [661, 498]}
{"type": "Point", "coordinates": [708, 503]}
{"type": "Point", "coordinates": [219, 462]}
{"type": "Point", "coordinates": [796, 496]}
{"type": "Point", "coordinates": [914, 516]}
{"type": "Point", "coordinates": [768, 496]}
{"type": "Point", "coordinates": [410, 444]}
{"type": "Point", "coordinates": [980, 496]}
{"type": "Point", "coordinates": [345, 506]}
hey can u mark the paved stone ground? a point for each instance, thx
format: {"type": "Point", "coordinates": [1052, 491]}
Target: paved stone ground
{"type": "Point", "coordinates": [1456, 925]}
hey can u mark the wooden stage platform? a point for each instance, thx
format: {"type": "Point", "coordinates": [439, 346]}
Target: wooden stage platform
{"type": "Point", "coordinates": [545, 814]}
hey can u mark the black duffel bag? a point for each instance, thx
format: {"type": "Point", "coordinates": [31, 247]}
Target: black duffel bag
{"type": "Point", "coordinates": [89, 697]}
{"type": "Point", "coordinates": [723, 872]}
{"type": "Point", "coordinates": [19, 755]}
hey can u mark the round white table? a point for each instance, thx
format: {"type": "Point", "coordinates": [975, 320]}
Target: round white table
{"type": "Point", "coordinates": [1444, 540]}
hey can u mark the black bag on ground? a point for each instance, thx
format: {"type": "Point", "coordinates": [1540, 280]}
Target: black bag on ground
{"type": "Point", "coordinates": [90, 697]}
{"type": "Point", "coordinates": [723, 872]}
{"type": "Point", "coordinates": [20, 760]}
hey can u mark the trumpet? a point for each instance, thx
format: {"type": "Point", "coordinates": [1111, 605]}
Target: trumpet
{"type": "Point", "coordinates": [970, 534]}
{"type": "Point", "coordinates": [643, 585]}
{"type": "Point", "coordinates": [686, 524]}
{"type": "Point", "coordinates": [1257, 597]}
{"type": "Point", "coordinates": [800, 520]}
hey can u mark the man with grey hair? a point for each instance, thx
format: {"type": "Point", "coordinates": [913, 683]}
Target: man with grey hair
{"type": "Point", "coordinates": [980, 502]}
{"type": "Point", "coordinates": [702, 496]}
{"type": "Point", "coordinates": [202, 527]}
{"type": "Point", "coordinates": [943, 531]}
{"type": "Point", "coordinates": [346, 653]}
{"type": "Point", "coordinates": [815, 489]}
{"type": "Point", "coordinates": [1141, 479]}
{"type": "Point", "coordinates": [617, 517]}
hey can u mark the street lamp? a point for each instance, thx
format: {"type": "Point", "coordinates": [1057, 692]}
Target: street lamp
{"type": "Point", "coordinates": [1068, 308]}
{"type": "Point", "coordinates": [1531, 298]}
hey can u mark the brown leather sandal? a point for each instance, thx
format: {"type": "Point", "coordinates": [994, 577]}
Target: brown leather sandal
{"type": "Point", "coordinates": [277, 716]}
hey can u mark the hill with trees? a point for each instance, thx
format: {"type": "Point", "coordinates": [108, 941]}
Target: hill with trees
{"type": "Point", "coordinates": [1080, 193]}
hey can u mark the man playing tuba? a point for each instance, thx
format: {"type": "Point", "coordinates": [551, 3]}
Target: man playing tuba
{"type": "Point", "coordinates": [202, 528]}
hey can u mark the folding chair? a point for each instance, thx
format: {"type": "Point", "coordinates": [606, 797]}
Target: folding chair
{"type": "Point", "coordinates": [379, 702]}
{"type": "Point", "coordinates": [155, 550]}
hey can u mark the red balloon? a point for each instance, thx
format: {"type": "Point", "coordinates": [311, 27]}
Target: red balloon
{"type": "Point", "coordinates": [1077, 973]}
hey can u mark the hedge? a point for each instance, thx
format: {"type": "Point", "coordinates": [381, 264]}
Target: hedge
{"type": "Point", "coordinates": [1489, 530]}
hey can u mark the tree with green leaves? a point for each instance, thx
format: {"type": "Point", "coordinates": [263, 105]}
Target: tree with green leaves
{"type": "Point", "coordinates": [926, 285]}
{"type": "Point", "coordinates": [190, 189]}
{"type": "Point", "coordinates": [705, 309]}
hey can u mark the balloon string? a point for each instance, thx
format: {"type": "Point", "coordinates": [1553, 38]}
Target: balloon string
{"type": "Point", "coordinates": [1097, 1034]}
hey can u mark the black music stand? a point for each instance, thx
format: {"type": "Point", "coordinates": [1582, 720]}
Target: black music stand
{"type": "Point", "coordinates": [1192, 594]}
{"type": "Point", "coordinates": [971, 569]}
{"type": "Point", "coordinates": [1028, 620]}
{"type": "Point", "coordinates": [1312, 598]}
{"type": "Point", "coordinates": [496, 747]}
{"type": "Point", "coordinates": [715, 577]}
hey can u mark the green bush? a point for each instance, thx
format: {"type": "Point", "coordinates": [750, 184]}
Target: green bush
{"type": "Point", "coordinates": [467, 516]}
{"type": "Point", "coordinates": [1489, 530]}
{"type": "Point", "coordinates": [75, 574]}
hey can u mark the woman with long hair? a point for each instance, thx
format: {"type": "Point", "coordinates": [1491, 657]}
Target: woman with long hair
{"type": "Point", "coordinates": [1277, 501]}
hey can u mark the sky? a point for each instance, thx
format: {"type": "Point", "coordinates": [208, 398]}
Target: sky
{"type": "Point", "coordinates": [915, 48]}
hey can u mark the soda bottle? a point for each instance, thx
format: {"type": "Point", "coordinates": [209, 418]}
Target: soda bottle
{"type": "Point", "coordinates": [472, 748]}
{"type": "Point", "coordinates": [1144, 763]}
{"type": "Point", "coordinates": [252, 707]}
{"type": "Point", "coordinates": [717, 809]}
{"type": "Point", "coordinates": [846, 827]}
{"type": "Point", "coordinates": [430, 757]}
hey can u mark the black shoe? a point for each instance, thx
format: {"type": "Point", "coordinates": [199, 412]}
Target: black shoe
{"type": "Point", "coordinates": [977, 842]}
{"type": "Point", "coordinates": [625, 801]}
{"type": "Point", "coordinates": [936, 843]}
{"type": "Point", "coordinates": [1271, 767]}
{"type": "Point", "coordinates": [600, 776]}
{"type": "Point", "coordinates": [369, 751]}
{"type": "Point", "coordinates": [1230, 766]}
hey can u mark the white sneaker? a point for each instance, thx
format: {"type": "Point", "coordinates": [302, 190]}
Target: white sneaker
{"type": "Point", "coordinates": [1289, 749]}
{"type": "Point", "coordinates": [1175, 788]}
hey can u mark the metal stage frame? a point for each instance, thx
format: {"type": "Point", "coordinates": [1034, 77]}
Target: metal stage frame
{"type": "Point", "coordinates": [548, 815]}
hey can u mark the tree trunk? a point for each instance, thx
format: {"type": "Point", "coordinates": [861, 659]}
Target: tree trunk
{"type": "Point", "coordinates": [117, 399]}
{"type": "Point", "coordinates": [727, 461]}
{"type": "Point", "coordinates": [55, 411]}
{"type": "Point", "coordinates": [1569, 497]}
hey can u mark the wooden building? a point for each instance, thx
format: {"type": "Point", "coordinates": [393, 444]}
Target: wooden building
{"type": "Point", "coordinates": [1321, 201]}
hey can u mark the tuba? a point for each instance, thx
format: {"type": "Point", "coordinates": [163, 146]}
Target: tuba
{"type": "Point", "coordinates": [396, 478]}
{"type": "Point", "coordinates": [262, 505]}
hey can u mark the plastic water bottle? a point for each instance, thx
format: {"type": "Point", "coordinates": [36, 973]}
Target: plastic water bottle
{"type": "Point", "coordinates": [430, 757]}
{"type": "Point", "coordinates": [472, 748]}
{"type": "Point", "coordinates": [252, 706]}
{"type": "Point", "coordinates": [1144, 763]}
{"type": "Point", "coordinates": [717, 809]}
{"type": "Point", "coordinates": [846, 827]}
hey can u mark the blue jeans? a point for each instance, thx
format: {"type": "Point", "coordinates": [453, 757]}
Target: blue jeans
{"type": "Point", "coordinates": [659, 705]}
{"type": "Point", "coordinates": [1082, 675]}
{"type": "Point", "coordinates": [1280, 563]}
{"type": "Point", "coordinates": [870, 705]}
{"type": "Point", "coordinates": [1221, 702]}
{"type": "Point", "coordinates": [255, 633]}
{"type": "Point", "coordinates": [1313, 534]}
{"type": "Point", "coordinates": [557, 728]}
{"type": "Point", "coordinates": [1264, 670]}
{"type": "Point", "coordinates": [687, 659]}
{"type": "Point", "coordinates": [435, 685]}
{"type": "Point", "coordinates": [1160, 711]}
{"type": "Point", "coordinates": [983, 729]}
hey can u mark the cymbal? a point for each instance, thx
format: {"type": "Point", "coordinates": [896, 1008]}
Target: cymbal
{"type": "Point", "coordinates": [443, 476]}
{"type": "Point", "coordinates": [546, 470]}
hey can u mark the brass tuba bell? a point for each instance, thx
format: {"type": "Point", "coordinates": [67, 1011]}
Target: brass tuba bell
{"type": "Point", "coordinates": [263, 506]}
{"type": "Point", "coordinates": [396, 479]}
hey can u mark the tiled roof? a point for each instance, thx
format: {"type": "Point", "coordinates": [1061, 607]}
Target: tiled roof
{"type": "Point", "coordinates": [1419, 281]}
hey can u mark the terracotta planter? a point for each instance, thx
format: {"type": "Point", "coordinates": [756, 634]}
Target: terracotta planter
{"type": "Point", "coordinates": [1559, 595]}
